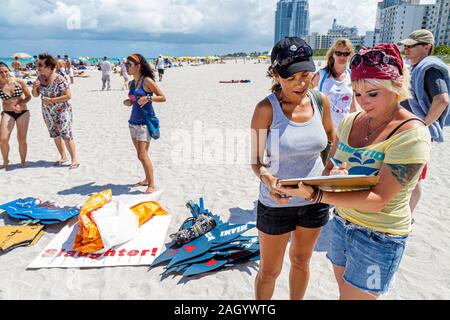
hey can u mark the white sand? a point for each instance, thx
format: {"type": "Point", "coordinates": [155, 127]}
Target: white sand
{"type": "Point", "coordinates": [107, 157]}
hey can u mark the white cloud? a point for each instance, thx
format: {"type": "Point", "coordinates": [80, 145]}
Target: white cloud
{"type": "Point", "coordinates": [246, 22]}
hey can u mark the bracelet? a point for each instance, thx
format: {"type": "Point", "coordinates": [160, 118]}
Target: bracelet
{"type": "Point", "coordinates": [318, 197]}
{"type": "Point", "coordinates": [313, 194]}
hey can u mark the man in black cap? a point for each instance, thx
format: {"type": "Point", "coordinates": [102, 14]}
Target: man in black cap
{"type": "Point", "coordinates": [430, 83]}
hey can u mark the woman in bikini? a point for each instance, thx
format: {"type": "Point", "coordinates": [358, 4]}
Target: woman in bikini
{"type": "Point", "coordinates": [14, 94]}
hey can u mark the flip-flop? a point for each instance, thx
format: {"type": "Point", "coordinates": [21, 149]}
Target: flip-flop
{"type": "Point", "coordinates": [60, 163]}
{"type": "Point", "coordinates": [74, 166]}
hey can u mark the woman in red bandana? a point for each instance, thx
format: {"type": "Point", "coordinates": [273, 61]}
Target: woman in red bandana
{"type": "Point", "coordinates": [370, 228]}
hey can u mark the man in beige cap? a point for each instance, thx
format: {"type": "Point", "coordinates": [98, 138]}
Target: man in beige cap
{"type": "Point", "coordinates": [430, 83]}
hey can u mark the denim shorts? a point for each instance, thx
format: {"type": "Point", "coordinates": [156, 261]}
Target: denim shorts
{"type": "Point", "coordinates": [276, 221]}
{"type": "Point", "coordinates": [370, 258]}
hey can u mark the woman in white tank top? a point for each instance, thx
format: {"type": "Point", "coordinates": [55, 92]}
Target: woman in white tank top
{"type": "Point", "coordinates": [334, 80]}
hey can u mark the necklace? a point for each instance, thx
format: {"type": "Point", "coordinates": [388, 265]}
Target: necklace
{"type": "Point", "coordinates": [370, 132]}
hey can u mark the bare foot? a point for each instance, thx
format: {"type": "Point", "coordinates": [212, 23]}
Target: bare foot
{"type": "Point", "coordinates": [142, 183]}
{"type": "Point", "coordinates": [4, 165]}
{"type": "Point", "coordinates": [24, 164]}
{"type": "Point", "coordinates": [150, 190]}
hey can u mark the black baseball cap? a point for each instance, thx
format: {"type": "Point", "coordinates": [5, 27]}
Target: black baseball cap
{"type": "Point", "coordinates": [291, 55]}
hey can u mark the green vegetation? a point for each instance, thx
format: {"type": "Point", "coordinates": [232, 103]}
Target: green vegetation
{"type": "Point", "coordinates": [244, 54]}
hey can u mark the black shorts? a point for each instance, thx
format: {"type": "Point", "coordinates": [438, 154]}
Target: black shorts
{"type": "Point", "coordinates": [161, 71]}
{"type": "Point", "coordinates": [276, 221]}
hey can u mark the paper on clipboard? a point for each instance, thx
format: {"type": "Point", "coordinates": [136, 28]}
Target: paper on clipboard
{"type": "Point", "coordinates": [342, 183]}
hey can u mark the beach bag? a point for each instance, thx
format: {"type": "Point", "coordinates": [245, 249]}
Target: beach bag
{"type": "Point", "coordinates": [152, 123]}
{"type": "Point", "coordinates": [325, 152]}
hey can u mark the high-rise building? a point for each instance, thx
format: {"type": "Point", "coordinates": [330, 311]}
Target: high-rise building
{"type": "Point", "coordinates": [291, 19]}
{"type": "Point", "coordinates": [398, 21]}
{"type": "Point", "coordinates": [439, 24]}
{"type": "Point", "coordinates": [338, 31]}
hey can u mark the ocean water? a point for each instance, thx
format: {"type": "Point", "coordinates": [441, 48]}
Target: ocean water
{"type": "Point", "coordinates": [8, 61]}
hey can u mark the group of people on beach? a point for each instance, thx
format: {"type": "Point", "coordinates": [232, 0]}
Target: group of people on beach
{"type": "Point", "coordinates": [360, 108]}
{"type": "Point", "coordinates": [355, 116]}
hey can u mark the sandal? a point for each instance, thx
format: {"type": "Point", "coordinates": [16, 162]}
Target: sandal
{"type": "Point", "coordinates": [60, 162]}
{"type": "Point", "coordinates": [141, 184]}
{"type": "Point", "coordinates": [74, 166]}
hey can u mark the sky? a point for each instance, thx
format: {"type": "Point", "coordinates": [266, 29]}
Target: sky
{"type": "Point", "coordinates": [170, 27]}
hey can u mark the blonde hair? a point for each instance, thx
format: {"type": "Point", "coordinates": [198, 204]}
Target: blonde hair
{"type": "Point", "coordinates": [330, 59]}
{"type": "Point", "coordinates": [401, 87]}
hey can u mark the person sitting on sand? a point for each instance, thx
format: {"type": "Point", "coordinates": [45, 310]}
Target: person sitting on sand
{"type": "Point", "coordinates": [370, 227]}
{"type": "Point", "coordinates": [56, 107]}
{"type": "Point", "coordinates": [143, 92]}
{"type": "Point", "coordinates": [15, 95]}
{"type": "Point", "coordinates": [291, 131]}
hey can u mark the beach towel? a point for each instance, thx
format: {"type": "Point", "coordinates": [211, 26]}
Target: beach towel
{"type": "Point", "coordinates": [44, 212]}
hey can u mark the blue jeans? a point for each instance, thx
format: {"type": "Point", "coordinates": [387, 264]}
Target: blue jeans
{"type": "Point", "coordinates": [370, 258]}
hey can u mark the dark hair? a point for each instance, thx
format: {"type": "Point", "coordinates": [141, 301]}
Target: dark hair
{"type": "Point", "coordinates": [146, 70]}
{"type": "Point", "coordinates": [49, 61]}
{"type": "Point", "coordinates": [275, 85]}
{"type": "Point", "coordinates": [2, 64]}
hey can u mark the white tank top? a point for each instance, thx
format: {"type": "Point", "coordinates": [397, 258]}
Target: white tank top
{"type": "Point", "coordinates": [339, 93]}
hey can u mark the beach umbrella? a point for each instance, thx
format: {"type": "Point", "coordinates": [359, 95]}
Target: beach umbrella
{"type": "Point", "coordinates": [21, 55]}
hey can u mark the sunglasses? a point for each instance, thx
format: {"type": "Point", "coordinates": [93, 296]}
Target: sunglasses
{"type": "Point", "coordinates": [415, 45]}
{"type": "Point", "coordinates": [373, 58]}
{"type": "Point", "coordinates": [342, 54]}
{"type": "Point", "coordinates": [285, 58]}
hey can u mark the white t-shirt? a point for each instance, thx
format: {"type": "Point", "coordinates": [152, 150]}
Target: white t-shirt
{"type": "Point", "coordinates": [339, 93]}
{"type": "Point", "coordinates": [106, 68]}
{"type": "Point", "coordinates": [160, 63]}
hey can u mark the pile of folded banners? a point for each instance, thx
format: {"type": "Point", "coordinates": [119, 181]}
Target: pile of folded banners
{"type": "Point", "coordinates": [205, 243]}
{"type": "Point", "coordinates": [104, 223]}
{"type": "Point", "coordinates": [34, 214]}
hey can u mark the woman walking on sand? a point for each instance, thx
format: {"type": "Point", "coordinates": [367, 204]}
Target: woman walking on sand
{"type": "Point", "coordinates": [143, 92]}
{"type": "Point", "coordinates": [56, 107]}
{"type": "Point", "coordinates": [15, 95]}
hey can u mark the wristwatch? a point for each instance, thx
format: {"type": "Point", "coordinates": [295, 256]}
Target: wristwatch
{"type": "Point", "coordinates": [149, 97]}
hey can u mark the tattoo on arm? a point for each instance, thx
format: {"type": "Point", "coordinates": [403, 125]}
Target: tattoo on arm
{"type": "Point", "coordinates": [404, 173]}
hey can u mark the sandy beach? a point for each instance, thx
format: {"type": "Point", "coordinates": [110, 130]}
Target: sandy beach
{"type": "Point", "coordinates": [195, 156]}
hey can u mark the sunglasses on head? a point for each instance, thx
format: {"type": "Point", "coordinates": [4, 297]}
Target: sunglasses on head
{"type": "Point", "coordinates": [342, 53]}
{"type": "Point", "coordinates": [285, 58]}
{"type": "Point", "coordinates": [373, 58]}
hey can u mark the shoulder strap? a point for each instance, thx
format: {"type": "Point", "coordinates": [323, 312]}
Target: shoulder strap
{"type": "Point", "coordinates": [318, 99]}
{"type": "Point", "coordinates": [401, 124]}
{"type": "Point", "coordinates": [323, 76]}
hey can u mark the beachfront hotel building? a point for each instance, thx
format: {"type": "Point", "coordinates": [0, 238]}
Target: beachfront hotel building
{"type": "Point", "coordinates": [396, 19]}
{"type": "Point", "coordinates": [291, 19]}
{"type": "Point", "coordinates": [324, 41]}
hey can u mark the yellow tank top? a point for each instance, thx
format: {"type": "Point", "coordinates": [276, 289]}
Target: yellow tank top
{"type": "Point", "coordinates": [407, 147]}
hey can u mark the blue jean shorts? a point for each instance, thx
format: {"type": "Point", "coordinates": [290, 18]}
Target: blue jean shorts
{"type": "Point", "coordinates": [370, 258]}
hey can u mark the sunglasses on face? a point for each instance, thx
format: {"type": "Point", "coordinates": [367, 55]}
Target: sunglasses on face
{"type": "Point", "coordinates": [342, 53]}
{"type": "Point", "coordinates": [415, 45]}
{"type": "Point", "coordinates": [373, 58]}
{"type": "Point", "coordinates": [285, 58]}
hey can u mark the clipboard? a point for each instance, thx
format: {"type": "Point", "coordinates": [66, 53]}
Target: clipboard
{"type": "Point", "coordinates": [335, 183]}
